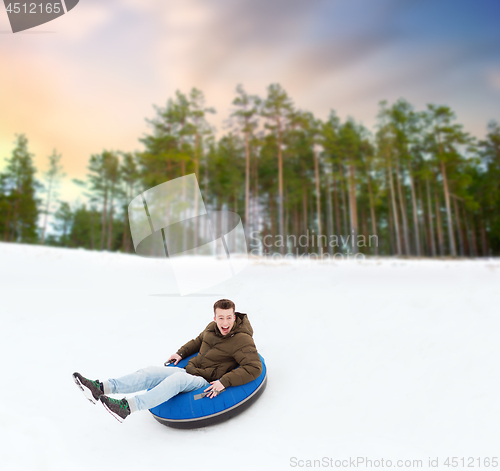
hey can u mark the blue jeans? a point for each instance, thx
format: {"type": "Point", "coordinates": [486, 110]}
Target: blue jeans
{"type": "Point", "coordinates": [164, 382]}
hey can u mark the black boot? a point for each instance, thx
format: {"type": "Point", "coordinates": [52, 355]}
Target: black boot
{"type": "Point", "coordinates": [118, 408]}
{"type": "Point", "coordinates": [92, 389]}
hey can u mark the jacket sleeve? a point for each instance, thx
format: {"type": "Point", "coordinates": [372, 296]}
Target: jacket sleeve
{"type": "Point", "coordinates": [250, 366]}
{"type": "Point", "coordinates": [191, 347]}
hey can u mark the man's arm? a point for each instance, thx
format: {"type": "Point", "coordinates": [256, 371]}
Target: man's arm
{"type": "Point", "coordinates": [191, 347]}
{"type": "Point", "coordinates": [250, 366]}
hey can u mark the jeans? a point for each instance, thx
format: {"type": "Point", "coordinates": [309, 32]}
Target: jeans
{"type": "Point", "coordinates": [165, 382]}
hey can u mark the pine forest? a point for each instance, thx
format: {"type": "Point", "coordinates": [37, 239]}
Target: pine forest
{"type": "Point", "coordinates": [417, 185]}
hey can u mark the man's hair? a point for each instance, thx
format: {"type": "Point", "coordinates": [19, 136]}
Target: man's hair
{"type": "Point", "coordinates": [224, 304]}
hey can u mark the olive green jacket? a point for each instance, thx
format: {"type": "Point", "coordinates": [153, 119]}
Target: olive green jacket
{"type": "Point", "coordinates": [219, 356]}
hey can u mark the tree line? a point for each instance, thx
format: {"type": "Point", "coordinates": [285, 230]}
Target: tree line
{"type": "Point", "coordinates": [416, 185]}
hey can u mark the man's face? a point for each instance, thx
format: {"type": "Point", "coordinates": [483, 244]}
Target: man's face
{"type": "Point", "coordinates": [224, 318]}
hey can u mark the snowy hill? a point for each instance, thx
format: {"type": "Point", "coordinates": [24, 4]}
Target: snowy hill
{"type": "Point", "coordinates": [392, 359]}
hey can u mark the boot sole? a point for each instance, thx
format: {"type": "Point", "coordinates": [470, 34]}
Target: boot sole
{"type": "Point", "coordinates": [86, 391]}
{"type": "Point", "coordinates": [116, 416]}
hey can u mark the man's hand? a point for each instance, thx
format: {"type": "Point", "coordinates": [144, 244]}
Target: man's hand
{"type": "Point", "coordinates": [215, 388]}
{"type": "Point", "coordinates": [174, 357]}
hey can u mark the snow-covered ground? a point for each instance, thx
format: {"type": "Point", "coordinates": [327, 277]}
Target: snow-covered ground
{"type": "Point", "coordinates": [392, 359]}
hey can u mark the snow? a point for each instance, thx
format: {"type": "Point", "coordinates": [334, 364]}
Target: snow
{"type": "Point", "coordinates": [375, 358]}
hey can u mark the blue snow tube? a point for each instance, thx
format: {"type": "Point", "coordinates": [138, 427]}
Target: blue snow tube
{"type": "Point", "coordinates": [193, 410]}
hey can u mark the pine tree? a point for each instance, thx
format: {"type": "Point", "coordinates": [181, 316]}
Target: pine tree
{"type": "Point", "coordinates": [350, 149]}
{"type": "Point", "coordinates": [19, 204]}
{"type": "Point", "coordinates": [385, 148]}
{"type": "Point", "coordinates": [168, 151]}
{"type": "Point", "coordinates": [444, 139]}
{"type": "Point", "coordinates": [246, 112]}
{"type": "Point", "coordinates": [130, 177]}
{"type": "Point", "coordinates": [63, 223]}
{"type": "Point", "coordinates": [278, 108]}
{"type": "Point", "coordinates": [52, 177]}
{"type": "Point", "coordinates": [487, 189]}
{"type": "Point", "coordinates": [199, 125]}
{"type": "Point", "coordinates": [330, 134]}
{"type": "Point", "coordinates": [103, 183]}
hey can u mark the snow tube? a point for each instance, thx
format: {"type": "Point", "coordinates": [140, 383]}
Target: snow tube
{"type": "Point", "coordinates": [193, 410]}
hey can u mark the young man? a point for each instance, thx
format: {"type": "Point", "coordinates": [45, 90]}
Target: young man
{"type": "Point", "coordinates": [225, 344]}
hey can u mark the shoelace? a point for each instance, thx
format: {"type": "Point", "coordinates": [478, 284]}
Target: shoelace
{"type": "Point", "coordinates": [118, 402]}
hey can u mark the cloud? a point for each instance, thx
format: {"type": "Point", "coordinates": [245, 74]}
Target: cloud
{"type": "Point", "coordinates": [424, 69]}
{"type": "Point", "coordinates": [303, 41]}
{"type": "Point", "coordinates": [493, 78]}
{"type": "Point", "coordinates": [316, 61]}
{"type": "Point", "coordinates": [206, 38]}
{"type": "Point", "coordinates": [84, 19]}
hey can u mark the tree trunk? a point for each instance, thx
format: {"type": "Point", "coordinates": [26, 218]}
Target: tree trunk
{"type": "Point", "coordinates": [391, 229]}
{"type": "Point", "coordinates": [280, 180]}
{"type": "Point", "coordinates": [111, 212]}
{"type": "Point", "coordinates": [451, 235]}
{"type": "Point", "coordinates": [364, 227]}
{"type": "Point", "coordinates": [7, 224]}
{"type": "Point", "coordinates": [15, 219]}
{"type": "Point", "coordinates": [336, 203]}
{"type": "Point", "coordinates": [372, 210]}
{"type": "Point", "coordinates": [429, 213]}
{"type": "Point", "coordinates": [439, 224]}
{"type": "Point", "coordinates": [329, 219]}
{"type": "Point", "coordinates": [110, 223]}
{"type": "Point", "coordinates": [285, 225]}
{"type": "Point", "coordinates": [257, 205]}
{"type": "Point", "coordinates": [344, 200]}
{"type": "Point", "coordinates": [92, 238]}
{"type": "Point", "coordinates": [219, 225]}
{"type": "Point", "coordinates": [256, 224]}
{"type": "Point", "coordinates": [402, 206]}
{"type": "Point", "coordinates": [247, 182]}
{"type": "Point", "coordinates": [474, 238]}
{"type": "Point", "coordinates": [104, 217]}
{"type": "Point", "coordinates": [47, 205]}
{"type": "Point", "coordinates": [353, 210]}
{"type": "Point", "coordinates": [14, 234]}
{"type": "Point", "coordinates": [125, 241]}
{"type": "Point", "coordinates": [184, 228]}
{"type": "Point", "coordinates": [421, 217]}
{"type": "Point", "coordinates": [484, 239]}
{"type": "Point", "coordinates": [459, 228]}
{"type": "Point", "coordinates": [415, 212]}
{"type": "Point", "coordinates": [467, 239]}
{"type": "Point", "coordinates": [235, 196]}
{"type": "Point", "coordinates": [304, 212]}
{"type": "Point", "coordinates": [318, 194]}
{"type": "Point", "coordinates": [296, 227]}
{"type": "Point", "coordinates": [394, 208]}
{"type": "Point", "coordinates": [196, 159]}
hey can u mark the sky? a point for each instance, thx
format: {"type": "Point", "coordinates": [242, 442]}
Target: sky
{"type": "Point", "coordinates": [88, 80]}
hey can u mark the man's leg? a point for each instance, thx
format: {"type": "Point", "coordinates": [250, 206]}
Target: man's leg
{"type": "Point", "coordinates": [141, 380]}
{"type": "Point", "coordinates": [169, 387]}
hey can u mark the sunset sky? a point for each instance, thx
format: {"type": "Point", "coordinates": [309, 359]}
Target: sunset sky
{"type": "Point", "coordinates": [88, 80]}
